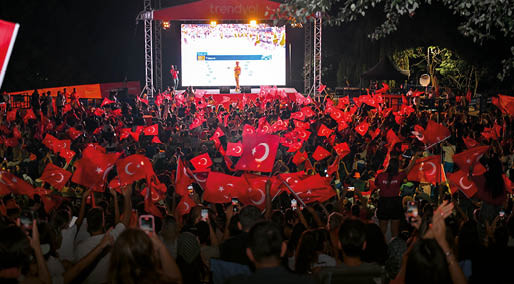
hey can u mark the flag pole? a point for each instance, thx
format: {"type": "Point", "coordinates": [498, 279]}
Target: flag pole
{"type": "Point", "coordinates": [446, 138]}
{"type": "Point", "coordinates": [293, 192]}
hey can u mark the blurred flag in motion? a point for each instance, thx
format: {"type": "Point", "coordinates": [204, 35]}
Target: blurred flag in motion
{"type": "Point", "coordinates": [8, 32]}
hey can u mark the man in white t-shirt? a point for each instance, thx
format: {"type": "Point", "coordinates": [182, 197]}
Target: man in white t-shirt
{"type": "Point", "coordinates": [96, 227]}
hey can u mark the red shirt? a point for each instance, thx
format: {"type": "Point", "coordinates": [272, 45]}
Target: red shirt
{"type": "Point", "coordinates": [389, 187]}
{"type": "Point", "coordinates": [174, 73]}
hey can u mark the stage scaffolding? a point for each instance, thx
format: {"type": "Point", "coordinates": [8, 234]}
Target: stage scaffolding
{"type": "Point", "coordinates": [153, 46]}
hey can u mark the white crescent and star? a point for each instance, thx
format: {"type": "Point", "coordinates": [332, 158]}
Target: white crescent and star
{"type": "Point", "coordinates": [60, 175]}
{"type": "Point", "coordinates": [107, 171]}
{"type": "Point", "coordinates": [266, 152]}
{"type": "Point", "coordinates": [462, 185]}
{"type": "Point", "coordinates": [127, 170]}
{"type": "Point", "coordinates": [237, 149]}
{"type": "Point", "coordinates": [432, 172]}
{"type": "Point", "coordinates": [187, 206]}
{"type": "Point", "coordinates": [203, 162]}
{"type": "Point", "coordinates": [261, 200]}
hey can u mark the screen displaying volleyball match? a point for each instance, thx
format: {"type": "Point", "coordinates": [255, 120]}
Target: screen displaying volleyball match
{"type": "Point", "coordinates": [210, 53]}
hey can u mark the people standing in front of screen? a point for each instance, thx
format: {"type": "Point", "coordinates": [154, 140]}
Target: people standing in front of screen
{"type": "Point", "coordinates": [174, 76]}
{"type": "Point", "coordinates": [237, 72]}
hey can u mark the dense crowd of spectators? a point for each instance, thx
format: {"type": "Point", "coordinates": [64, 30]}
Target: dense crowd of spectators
{"type": "Point", "coordinates": [366, 233]}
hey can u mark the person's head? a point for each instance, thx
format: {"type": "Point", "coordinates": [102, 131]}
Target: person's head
{"type": "Point", "coordinates": [248, 216]}
{"type": "Point", "coordinates": [335, 219]}
{"type": "Point", "coordinates": [95, 221]}
{"type": "Point", "coordinates": [426, 263]}
{"type": "Point", "coordinates": [393, 167]}
{"type": "Point", "coordinates": [493, 176]}
{"type": "Point", "coordinates": [312, 243]}
{"type": "Point", "coordinates": [15, 250]}
{"type": "Point", "coordinates": [352, 237]}
{"type": "Point", "coordinates": [169, 230]}
{"type": "Point", "coordinates": [376, 246]}
{"type": "Point", "coordinates": [265, 244]}
{"type": "Point", "coordinates": [133, 258]}
{"type": "Point", "coordinates": [237, 63]}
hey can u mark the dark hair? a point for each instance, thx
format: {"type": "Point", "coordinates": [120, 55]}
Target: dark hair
{"type": "Point", "coordinates": [95, 219]}
{"type": "Point", "coordinates": [265, 241]}
{"type": "Point", "coordinates": [248, 216]}
{"type": "Point", "coordinates": [15, 248]}
{"type": "Point", "coordinates": [493, 177]}
{"type": "Point", "coordinates": [392, 168]}
{"type": "Point", "coordinates": [133, 259]}
{"type": "Point", "coordinates": [352, 236]}
{"type": "Point", "coordinates": [311, 244]}
{"type": "Point", "coordinates": [427, 263]}
{"type": "Point", "coordinates": [376, 247]}
{"type": "Point", "coordinates": [203, 232]}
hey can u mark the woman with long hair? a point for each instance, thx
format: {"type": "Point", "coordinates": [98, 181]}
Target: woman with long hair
{"type": "Point", "coordinates": [390, 203]}
{"type": "Point", "coordinates": [491, 189]}
{"type": "Point", "coordinates": [139, 258]}
{"type": "Point", "coordinates": [313, 251]}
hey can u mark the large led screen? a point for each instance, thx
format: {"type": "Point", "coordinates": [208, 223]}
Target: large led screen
{"type": "Point", "coordinates": [209, 54]}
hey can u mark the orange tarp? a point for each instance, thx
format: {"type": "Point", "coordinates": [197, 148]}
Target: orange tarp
{"type": "Point", "coordinates": [90, 91]}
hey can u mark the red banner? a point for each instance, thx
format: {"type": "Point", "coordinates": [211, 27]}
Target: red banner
{"type": "Point", "coordinates": [8, 32]}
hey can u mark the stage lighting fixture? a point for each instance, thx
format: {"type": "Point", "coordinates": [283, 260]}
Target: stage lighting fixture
{"type": "Point", "coordinates": [213, 24]}
{"type": "Point", "coordinates": [253, 23]}
{"type": "Point", "coordinates": [165, 25]}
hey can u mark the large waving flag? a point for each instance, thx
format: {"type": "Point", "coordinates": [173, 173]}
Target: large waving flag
{"type": "Point", "coordinates": [259, 152]}
{"type": "Point", "coordinates": [8, 32]}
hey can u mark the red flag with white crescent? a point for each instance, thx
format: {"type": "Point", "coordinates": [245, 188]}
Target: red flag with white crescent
{"type": "Point", "coordinates": [55, 176]}
{"type": "Point", "coordinates": [234, 149]}
{"type": "Point", "coordinates": [259, 152]}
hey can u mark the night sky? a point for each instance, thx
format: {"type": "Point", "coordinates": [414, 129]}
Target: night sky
{"type": "Point", "coordinates": [73, 42]}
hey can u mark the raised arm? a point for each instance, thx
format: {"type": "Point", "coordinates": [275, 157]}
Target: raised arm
{"type": "Point", "coordinates": [82, 212]}
{"type": "Point", "coordinates": [116, 207]}
{"type": "Point", "coordinates": [127, 205]}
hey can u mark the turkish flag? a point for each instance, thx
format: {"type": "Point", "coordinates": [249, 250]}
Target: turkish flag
{"type": "Point", "coordinates": [392, 138]}
{"type": "Point", "coordinates": [300, 157]}
{"type": "Point", "coordinates": [255, 191]}
{"type": "Point", "coordinates": [321, 88]}
{"type": "Point", "coordinates": [66, 109]}
{"type": "Point", "coordinates": [151, 209]}
{"type": "Point", "coordinates": [325, 131]}
{"type": "Point", "coordinates": [308, 112]}
{"type": "Point", "coordinates": [55, 176]}
{"type": "Point", "coordinates": [248, 130]}
{"type": "Point", "coordinates": [8, 32]}
{"type": "Point", "coordinates": [427, 169]}
{"type": "Point", "coordinates": [202, 161]}
{"type": "Point", "coordinates": [196, 123]}
{"type": "Point", "coordinates": [375, 133]}
{"type": "Point", "coordinates": [155, 195]}
{"type": "Point", "coordinates": [98, 112]}
{"type": "Point", "coordinates": [315, 188]}
{"type": "Point", "coordinates": [343, 102]}
{"type": "Point", "coordinates": [217, 134]}
{"type": "Point", "coordinates": [185, 205]}
{"type": "Point", "coordinates": [67, 154]}
{"type": "Point", "coordinates": [384, 89]}
{"type": "Point", "coordinates": [29, 115]}
{"type": "Point", "coordinates": [508, 183]}
{"type": "Point", "coordinates": [320, 153]}
{"type": "Point", "coordinates": [221, 188]}
{"type": "Point", "coordinates": [341, 126]}
{"type": "Point", "coordinates": [301, 125]}
{"type": "Point", "coordinates": [14, 184]}
{"type": "Point", "coordinates": [182, 179]}
{"type": "Point", "coordinates": [234, 149]}
{"type": "Point", "coordinates": [471, 157]}
{"type": "Point", "coordinates": [334, 167]}
{"type": "Point", "coordinates": [336, 114]}
{"type": "Point", "coordinates": [49, 141]}
{"type": "Point", "coordinates": [151, 130]}
{"type": "Point", "coordinates": [74, 133]}
{"type": "Point", "coordinates": [16, 133]}
{"type": "Point", "coordinates": [469, 142]}
{"type": "Point", "coordinates": [92, 169]}
{"type": "Point", "coordinates": [279, 125]}
{"type": "Point", "coordinates": [134, 168]}
{"type": "Point", "coordinates": [461, 180]}
{"type": "Point", "coordinates": [435, 133]}
{"type": "Point", "coordinates": [302, 134]}
{"type": "Point", "coordinates": [362, 128]}
{"type": "Point", "coordinates": [342, 149]}
{"type": "Point", "coordinates": [298, 115]}
{"type": "Point", "coordinates": [106, 101]}
{"type": "Point", "coordinates": [62, 145]}
{"type": "Point", "coordinates": [125, 133]}
{"type": "Point", "coordinates": [292, 179]}
{"type": "Point", "coordinates": [11, 115]}
{"type": "Point", "coordinates": [259, 152]}
{"type": "Point", "coordinates": [507, 104]}
{"type": "Point", "coordinates": [135, 134]}
{"type": "Point", "coordinates": [156, 139]}
{"type": "Point", "coordinates": [264, 128]}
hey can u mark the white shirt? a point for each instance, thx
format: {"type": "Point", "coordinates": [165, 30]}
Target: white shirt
{"type": "Point", "coordinates": [56, 270]}
{"type": "Point", "coordinates": [67, 249]}
{"type": "Point", "coordinates": [99, 273]}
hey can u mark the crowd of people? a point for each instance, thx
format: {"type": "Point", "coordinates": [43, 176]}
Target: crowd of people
{"type": "Point", "coordinates": [373, 221]}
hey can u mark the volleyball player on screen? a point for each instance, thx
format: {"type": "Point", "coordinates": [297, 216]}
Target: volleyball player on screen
{"type": "Point", "coordinates": [237, 72]}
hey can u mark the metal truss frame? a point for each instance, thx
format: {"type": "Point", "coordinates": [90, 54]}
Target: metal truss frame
{"type": "Point", "coordinates": [307, 59]}
{"type": "Point", "coordinates": [317, 54]}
